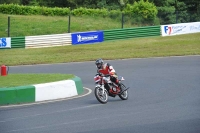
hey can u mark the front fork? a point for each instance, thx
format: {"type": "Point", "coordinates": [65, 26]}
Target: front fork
{"type": "Point", "coordinates": [102, 87]}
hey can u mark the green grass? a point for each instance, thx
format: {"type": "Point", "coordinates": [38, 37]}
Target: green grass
{"type": "Point", "coordinates": [12, 80]}
{"type": "Point", "coordinates": [22, 25]}
{"type": "Point", "coordinates": [120, 49]}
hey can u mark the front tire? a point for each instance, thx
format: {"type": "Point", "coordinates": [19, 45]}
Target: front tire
{"type": "Point", "coordinates": [124, 95]}
{"type": "Point", "coordinates": [102, 98]}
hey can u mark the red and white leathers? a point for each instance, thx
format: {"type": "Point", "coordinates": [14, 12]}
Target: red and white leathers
{"type": "Point", "coordinates": [108, 69]}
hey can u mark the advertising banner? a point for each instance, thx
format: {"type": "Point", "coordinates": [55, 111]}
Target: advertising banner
{"type": "Point", "coordinates": [5, 42]}
{"type": "Point", "coordinates": [87, 37]}
{"type": "Point", "coordinates": [182, 28]}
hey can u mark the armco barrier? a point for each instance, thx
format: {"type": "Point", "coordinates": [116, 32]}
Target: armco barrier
{"type": "Point", "coordinates": [83, 37]}
{"type": "Point", "coordinates": [17, 42]}
{"type": "Point", "coordinates": [41, 92]}
{"type": "Point", "coordinates": [131, 33]}
{"type": "Point", "coordinates": [48, 40]}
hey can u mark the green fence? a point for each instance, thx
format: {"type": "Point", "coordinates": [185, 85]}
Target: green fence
{"type": "Point", "coordinates": [17, 42]}
{"type": "Point", "coordinates": [131, 33]}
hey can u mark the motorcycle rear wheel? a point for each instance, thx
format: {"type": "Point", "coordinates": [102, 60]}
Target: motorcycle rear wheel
{"type": "Point", "coordinates": [102, 98]}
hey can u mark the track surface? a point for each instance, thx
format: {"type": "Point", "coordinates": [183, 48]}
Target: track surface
{"type": "Point", "coordinates": [164, 98]}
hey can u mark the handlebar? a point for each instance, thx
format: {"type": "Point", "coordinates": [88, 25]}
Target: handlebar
{"type": "Point", "coordinates": [107, 75]}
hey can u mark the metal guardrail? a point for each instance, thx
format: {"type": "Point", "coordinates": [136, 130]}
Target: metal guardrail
{"type": "Point", "coordinates": [18, 42]}
{"type": "Point", "coordinates": [66, 39]}
{"type": "Point", "coordinates": [48, 40]}
{"type": "Point", "coordinates": [132, 33]}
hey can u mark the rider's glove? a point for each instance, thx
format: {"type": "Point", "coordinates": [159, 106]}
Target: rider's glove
{"type": "Point", "coordinates": [111, 73]}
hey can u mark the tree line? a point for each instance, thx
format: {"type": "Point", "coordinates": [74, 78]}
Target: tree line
{"type": "Point", "coordinates": [189, 5]}
{"type": "Point", "coordinates": [170, 11]}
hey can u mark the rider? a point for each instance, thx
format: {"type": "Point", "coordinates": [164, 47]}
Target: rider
{"type": "Point", "coordinates": [107, 69]}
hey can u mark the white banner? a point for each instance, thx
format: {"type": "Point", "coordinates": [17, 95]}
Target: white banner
{"type": "Point", "coordinates": [183, 28]}
{"type": "Point", "coordinates": [5, 42]}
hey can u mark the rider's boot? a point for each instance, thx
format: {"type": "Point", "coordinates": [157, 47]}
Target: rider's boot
{"type": "Point", "coordinates": [118, 87]}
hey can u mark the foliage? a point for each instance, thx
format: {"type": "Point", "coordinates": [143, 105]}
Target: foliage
{"type": "Point", "coordinates": [56, 11]}
{"type": "Point", "coordinates": [33, 10]}
{"type": "Point", "coordinates": [169, 11]}
{"type": "Point", "coordinates": [190, 8]}
{"type": "Point", "coordinates": [166, 11]}
{"type": "Point", "coordinates": [142, 11]}
{"type": "Point", "coordinates": [90, 12]}
{"type": "Point", "coordinates": [177, 11]}
{"type": "Point", "coordinates": [10, 1]}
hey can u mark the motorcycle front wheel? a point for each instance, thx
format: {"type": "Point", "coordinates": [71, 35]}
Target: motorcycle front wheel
{"type": "Point", "coordinates": [124, 95]}
{"type": "Point", "coordinates": [101, 97]}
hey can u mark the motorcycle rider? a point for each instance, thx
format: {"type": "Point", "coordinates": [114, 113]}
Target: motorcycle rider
{"type": "Point", "coordinates": [107, 69]}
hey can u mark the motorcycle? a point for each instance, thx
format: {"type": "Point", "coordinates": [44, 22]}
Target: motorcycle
{"type": "Point", "coordinates": [105, 87]}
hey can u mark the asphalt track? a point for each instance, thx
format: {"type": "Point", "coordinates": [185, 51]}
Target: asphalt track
{"type": "Point", "coordinates": [164, 97]}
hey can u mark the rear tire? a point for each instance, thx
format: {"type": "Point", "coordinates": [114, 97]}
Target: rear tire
{"type": "Point", "coordinates": [102, 98]}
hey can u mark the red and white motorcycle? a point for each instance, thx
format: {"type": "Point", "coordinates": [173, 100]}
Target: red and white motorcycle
{"type": "Point", "coordinates": [105, 87]}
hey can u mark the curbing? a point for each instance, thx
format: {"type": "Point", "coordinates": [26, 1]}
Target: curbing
{"type": "Point", "coordinates": [79, 85]}
{"type": "Point", "coordinates": [41, 92]}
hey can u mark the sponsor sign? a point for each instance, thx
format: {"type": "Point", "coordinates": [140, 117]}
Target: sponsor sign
{"type": "Point", "coordinates": [87, 37]}
{"type": "Point", "coordinates": [5, 42]}
{"type": "Point", "coordinates": [183, 28]}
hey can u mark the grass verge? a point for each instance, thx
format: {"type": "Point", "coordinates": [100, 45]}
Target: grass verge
{"type": "Point", "coordinates": [22, 25]}
{"type": "Point", "coordinates": [12, 80]}
{"type": "Point", "coordinates": [179, 45]}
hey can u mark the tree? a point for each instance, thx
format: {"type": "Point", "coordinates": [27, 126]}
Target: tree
{"type": "Point", "coordinates": [172, 11]}
{"type": "Point", "coordinates": [166, 11]}
{"type": "Point", "coordinates": [192, 9]}
{"type": "Point", "coordinates": [142, 12]}
{"type": "Point", "coordinates": [9, 1]}
{"type": "Point", "coordinates": [24, 2]}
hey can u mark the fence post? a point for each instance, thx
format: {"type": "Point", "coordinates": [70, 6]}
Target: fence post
{"type": "Point", "coordinates": [69, 20]}
{"type": "Point", "coordinates": [122, 20]}
{"type": "Point", "coordinates": [8, 26]}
